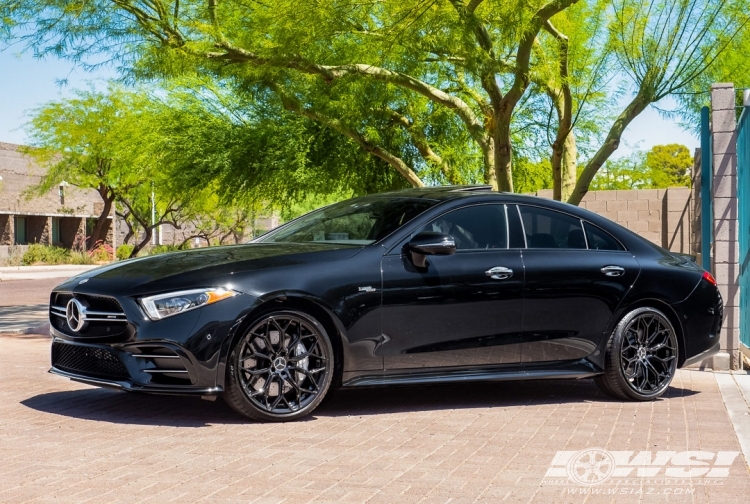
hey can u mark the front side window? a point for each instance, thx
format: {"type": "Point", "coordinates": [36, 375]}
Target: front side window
{"type": "Point", "coordinates": [474, 227]}
{"type": "Point", "coordinates": [360, 221]}
{"type": "Point", "coordinates": [549, 229]}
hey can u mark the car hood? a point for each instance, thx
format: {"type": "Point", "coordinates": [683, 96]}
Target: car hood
{"type": "Point", "coordinates": [201, 266]}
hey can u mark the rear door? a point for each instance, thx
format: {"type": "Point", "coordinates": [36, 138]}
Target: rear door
{"type": "Point", "coordinates": [576, 276]}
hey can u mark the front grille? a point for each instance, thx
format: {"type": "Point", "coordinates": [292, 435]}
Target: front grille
{"type": "Point", "coordinates": [87, 361]}
{"type": "Point", "coordinates": [106, 317]}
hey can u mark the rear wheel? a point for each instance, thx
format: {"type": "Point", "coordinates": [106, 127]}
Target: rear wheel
{"type": "Point", "coordinates": [281, 368]}
{"type": "Point", "coordinates": [641, 357]}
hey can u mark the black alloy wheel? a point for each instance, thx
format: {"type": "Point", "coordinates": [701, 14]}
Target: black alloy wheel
{"type": "Point", "coordinates": [281, 368]}
{"type": "Point", "coordinates": [641, 357]}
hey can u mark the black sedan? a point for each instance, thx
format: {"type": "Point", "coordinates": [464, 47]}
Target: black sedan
{"type": "Point", "coordinates": [418, 286]}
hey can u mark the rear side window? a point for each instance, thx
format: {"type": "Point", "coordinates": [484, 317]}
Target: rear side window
{"type": "Point", "coordinates": [474, 227]}
{"type": "Point", "coordinates": [599, 239]}
{"type": "Point", "coordinates": [549, 229]}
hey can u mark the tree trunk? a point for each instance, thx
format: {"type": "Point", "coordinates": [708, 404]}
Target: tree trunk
{"type": "Point", "coordinates": [610, 145]}
{"type": "Point", "coordinates": [569, 166]}
{"type": "Point", "coordinates": [503, 152]}
{"type": "Point", "coordinates": [490, 177]}
{"type": "Point", "coordinates": [139, 246]}
{"type": "Point", "coordinates": [102, 223]}
{"type": "Point", "coordinates": [564, 155]}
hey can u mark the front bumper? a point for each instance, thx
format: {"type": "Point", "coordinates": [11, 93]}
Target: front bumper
{"type": "Point", "coordinates": [162, 368]}
{"type": "Point", "coordinates": [132, 387]}
{"type": "Point", "coordinates": [184, 354]}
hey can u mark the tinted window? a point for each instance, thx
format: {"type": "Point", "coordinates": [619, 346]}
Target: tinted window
{"type": "Point", "coordinates": [600, 239]}
{"type": "Point", "coordinates": [360, 221]}
{"type": "Point", "coordinates": [549, 229]}
{"type": "Point", "coordinates": [474, 227]}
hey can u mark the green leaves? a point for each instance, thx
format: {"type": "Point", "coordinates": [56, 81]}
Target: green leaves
{"type": "Point", "coordinates": [275, 100]}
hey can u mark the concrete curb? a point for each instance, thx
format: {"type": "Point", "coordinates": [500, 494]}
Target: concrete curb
{"type": "Point", "coordinates": [42, 272]}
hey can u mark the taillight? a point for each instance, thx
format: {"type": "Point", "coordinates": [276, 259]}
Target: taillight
{"type": "Point", "coordinates": [708, 277]}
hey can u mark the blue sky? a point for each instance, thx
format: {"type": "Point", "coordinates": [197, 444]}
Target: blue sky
{"type": "Point", "coordinates": [26, 83]}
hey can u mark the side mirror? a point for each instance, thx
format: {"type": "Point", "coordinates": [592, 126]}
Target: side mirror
{"type": "Point", "coordinates": [429, 243]}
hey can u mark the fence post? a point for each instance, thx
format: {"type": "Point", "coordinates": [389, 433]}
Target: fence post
{"type": "Point", "coordinates": [724, 210]}
{"type": "Point", "coordinates": [706, 176]}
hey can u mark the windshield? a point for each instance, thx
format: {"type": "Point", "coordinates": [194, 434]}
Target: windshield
{"type": "Point", "coordinates": [360, 221]}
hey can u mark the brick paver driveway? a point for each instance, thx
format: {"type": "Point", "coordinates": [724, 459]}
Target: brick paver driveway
{"type": "Point", "coordinates": [66, 442]}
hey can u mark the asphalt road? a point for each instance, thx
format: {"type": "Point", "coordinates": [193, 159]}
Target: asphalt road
{"type": "Point", "coordinates": [27, 292]}
{"type": "Point", "coordinates": [23, 305]}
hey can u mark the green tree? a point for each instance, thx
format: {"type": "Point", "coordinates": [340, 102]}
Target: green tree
{"type": "Point", "coordinates": [108, 142]}
{"type": "Point", "coordinates": [438, 81]}
{"type": "Point", "coordinates": [662, 49]}
{"type": "Point", "coordinates": [439, 91]}
{"type": "Point", "coordinates": [659, 168]}
{"type": "Point", "coordinates": [669, 165]}
{"type": "Point", "coordinates": [627, 172]}
{"type": "Point", "coordinates": [80, 141]}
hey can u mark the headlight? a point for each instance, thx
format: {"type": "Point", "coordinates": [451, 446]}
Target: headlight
{"type": "Point", "coordinates": [165, 305]}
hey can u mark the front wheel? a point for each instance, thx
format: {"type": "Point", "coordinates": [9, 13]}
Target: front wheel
{"type": "Point", "coordinates": [281, 368]}
{"type": "Point", "coordinates": [641, 357]}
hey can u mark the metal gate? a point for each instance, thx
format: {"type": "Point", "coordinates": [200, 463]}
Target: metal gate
{"type": "Point", "coordinates": [743, 220]}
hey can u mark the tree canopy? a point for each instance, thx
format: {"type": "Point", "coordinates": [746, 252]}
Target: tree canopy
{"type": "Point", "coordinates": [437, 91]}
{"type": "Point", "coordinates": [659, 168]}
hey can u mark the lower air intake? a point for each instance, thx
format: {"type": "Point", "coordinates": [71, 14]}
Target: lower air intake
{"type": "Point", "coordinates": [87, 361]}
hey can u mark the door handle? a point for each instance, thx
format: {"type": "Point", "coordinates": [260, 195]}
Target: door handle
{"type": "Point", "coordinates": [613, 271]}
{"type": "Point", "coordinates": [499, 273]}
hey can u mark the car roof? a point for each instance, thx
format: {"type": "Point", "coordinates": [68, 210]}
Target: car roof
{"type": "Point", "coordinates": [471, 191]}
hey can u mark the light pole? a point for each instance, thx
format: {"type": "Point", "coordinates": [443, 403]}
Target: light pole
{"type": "Point", "coordinates": [153, 215]}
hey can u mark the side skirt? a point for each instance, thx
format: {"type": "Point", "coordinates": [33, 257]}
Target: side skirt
{"type": "Point", "coordinates": [561, 370]}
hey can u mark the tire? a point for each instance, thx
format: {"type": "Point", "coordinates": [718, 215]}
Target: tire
{"type": "Point", "coordinates": [281, 368]}
{"type": "Point", "coordinates": [641, 356]}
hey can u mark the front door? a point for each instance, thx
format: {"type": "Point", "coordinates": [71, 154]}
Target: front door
{"type": "Point", "coordinates": [458, 311]}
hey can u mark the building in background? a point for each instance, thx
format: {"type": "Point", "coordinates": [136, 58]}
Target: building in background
{"type": "Point", "coordinates": [63, 217]}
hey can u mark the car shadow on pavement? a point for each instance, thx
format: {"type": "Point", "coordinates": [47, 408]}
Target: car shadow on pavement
{"type": "Point", "coordinates": [141, 409]}
{"type": "Point", "coordinates": [108, 405]}
{"type": "Point", "coordinates": [375, 400]}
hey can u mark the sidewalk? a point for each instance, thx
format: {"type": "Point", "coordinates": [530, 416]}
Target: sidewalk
{"type": "Point", "coordinates": [735, 390]}
{"type": "Point", "coordinates": [42, 272]}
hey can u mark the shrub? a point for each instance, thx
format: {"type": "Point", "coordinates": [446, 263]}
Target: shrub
{"type": "Point", "coordinates": [80, 258]}
{"type": "Point", "coordinates": [45, 254]}
{"type": "Point", "coordinates": [102, 252]}
{"type": "Point", "coordinates": [15, 256]}
{"type": "Point", "coordinates": [124, 251]}
{"type": "Point", "coordinates": [161, 249]}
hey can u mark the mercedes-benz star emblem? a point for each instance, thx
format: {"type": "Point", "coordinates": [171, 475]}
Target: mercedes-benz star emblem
{"type": "Point", "coordinates": [279, 364]}
{"type": "Point", "coordinates": [75, 314]}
